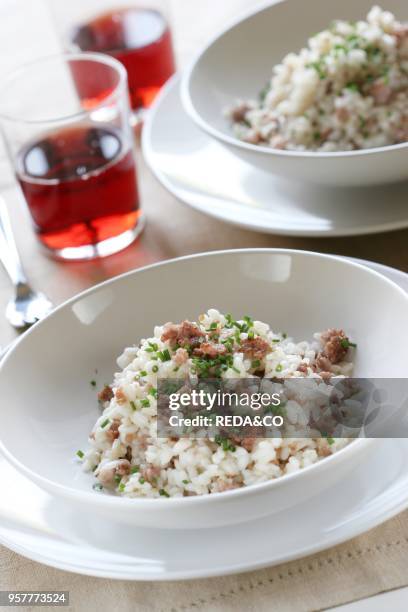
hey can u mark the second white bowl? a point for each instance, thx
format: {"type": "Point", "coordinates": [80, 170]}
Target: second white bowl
{"type": "Point", "coordinates": [238, 63]}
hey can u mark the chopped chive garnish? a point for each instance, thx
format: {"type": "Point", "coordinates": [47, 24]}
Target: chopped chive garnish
{"type": "Point", "coordinates": [143, 373]}
{"type": "Point", "coordinates": [345, 343]}
{"type": "Point", "coordinates": [142, 480]}
{"type": "Point", "coordinates": [133, 405]}
{"type": "Point", "coordinates": [256, 363]}
{"type": "Point", "coordinates": [155, 368]}
{"type": "Point", "coordinates": [225, 443]}
{"type": "Point", "coordinates": [319, 67]}
{"type": "Point", "coordinates": [153, 345]}
{"type": "Point", "coordinates": [164, 493]}
{"type": "Point", "coordinates": [264, 92]}
{"type": "Point", "coordinates": [135, 469]}
{"type": "Point", "coordinates": [229, 320]}
{"type": "Point", "coordinates": [80, 454]}
{"type": "Point", "coordinates": [164, 355]}
{"type": "Point", "coordinates": [145, 403]}
{"type": "Point", "coordinates": [330, 441]}
{"type": "Point", "coordinates": [279, 367]}
{"type": "Point", "coordinates": [104, 424]}
{"type": "Point", "coordinates": [227, 446]}
{"type": "Point", "coordinates": [213, 325]}
{"type": "Point", "coordinates": [97, 486]}
{"type": "Point", "coordinates": [93, 383]}
{"type": "Point", "coordinates": [185, 482]}
{"type": "Point", "coordinates": [118, 478]}
{"type": "Point", "coordinates": [122, 487]}
{"type": "Point", "coordinates": [235, 369]}
{"type": "Point", "coordinates": [153, 392]}
{"type": "Point", "coordinates": [284, 335]}
{"type": "Point", "coordinates": [149, 349]}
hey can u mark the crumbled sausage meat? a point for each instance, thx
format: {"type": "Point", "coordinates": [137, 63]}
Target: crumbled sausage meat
{"type": "Point", "coordinates": [256, 348]}
{"type": "Point", "coordinates": [107, 472]}
{"type": "Point", "coordinates": [239, 111]}
{"type": "Point", "coordinates": [226, 485]}
{"type": "Point", "coordinates": [181, 356]}
{"type": "Point", "coordinates": [326, 375]}
{"type": "Point", "coordinates": [185, 334]}
{"type": "Point", "coordinates": [303, 368]}
{"type": "Point", "coordinates": [380, 92]}
{"type": "Point", "coordinates": [335, 345]}
{"type": "Point", "coordinates": [150, 472]}
{"type": "Point", "coordinates": [105, 395]}
{"type": "Point", "coordinates": [120, 396]}
{"type": "Point", "coordinates": [113, 432]}
{"type": "Point", "coordinates": [246, 442]}
{"type": "Point", "coordinates": [322, 363]}
{"type": "Point", "coordinates": [212, 351]}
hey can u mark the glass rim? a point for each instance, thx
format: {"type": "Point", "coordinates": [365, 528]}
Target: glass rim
{"type": "Point", "coordinates": [100, 58]}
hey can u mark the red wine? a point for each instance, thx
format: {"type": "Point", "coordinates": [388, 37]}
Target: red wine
{"type": "Point", "coordinates": [80, 186]}
{"type": "Point", "coordinates": [141, 40]}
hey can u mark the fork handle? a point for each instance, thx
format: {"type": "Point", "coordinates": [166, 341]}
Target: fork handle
{"type": "Point", "coordinates": [9, 256]}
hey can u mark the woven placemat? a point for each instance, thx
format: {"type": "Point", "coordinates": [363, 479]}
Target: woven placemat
{"type": "Point", "coordinates": [372, 563]}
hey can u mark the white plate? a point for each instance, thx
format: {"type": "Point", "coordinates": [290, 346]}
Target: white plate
{"type": "Point", "coordinates": [55, 409]}
{"type": "Point", "coordinates": [37, 526]}
{"type": "Point", "coordinates": [202, 173]}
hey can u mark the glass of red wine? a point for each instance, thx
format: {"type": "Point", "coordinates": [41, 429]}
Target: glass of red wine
{"type": "Point", "coordinates": [65, 120]}
{"type": "Point", "coordinates": [137, 34]}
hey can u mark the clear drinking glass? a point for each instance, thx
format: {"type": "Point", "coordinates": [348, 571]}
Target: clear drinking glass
{"type": "Point", "coordinates": [137, 33]}
{"type": "Point", "coordinates": [65, 121]}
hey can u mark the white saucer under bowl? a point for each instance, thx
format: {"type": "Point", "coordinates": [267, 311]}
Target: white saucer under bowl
{"type": "Point", "coordinates": [41, 528]}
{"type": "Point", "coordinates": [202, 173]}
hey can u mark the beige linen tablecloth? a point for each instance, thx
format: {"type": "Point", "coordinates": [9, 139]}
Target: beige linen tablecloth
{"type": "Point", "coordinates": [369, 564]}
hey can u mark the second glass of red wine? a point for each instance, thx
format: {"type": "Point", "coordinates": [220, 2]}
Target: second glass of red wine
{"type": "Point", "coordinates": [66, 125]}
{"type": "Point", "coordinates": [137, 34]}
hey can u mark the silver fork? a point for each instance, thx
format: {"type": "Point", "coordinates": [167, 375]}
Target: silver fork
{"type": "Point", "coordinates": [28, 306]}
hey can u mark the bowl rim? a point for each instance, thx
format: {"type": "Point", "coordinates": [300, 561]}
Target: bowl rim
{"type": "Point", "coordinates": [208, 128]}
{"type": "Point", "coordinates": [113, 501]}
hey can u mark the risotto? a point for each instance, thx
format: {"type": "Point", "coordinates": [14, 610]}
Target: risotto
{"type": "Point", "coordinates": [347, 90]}
{"type": "Point", "coordinates": [127, 456]}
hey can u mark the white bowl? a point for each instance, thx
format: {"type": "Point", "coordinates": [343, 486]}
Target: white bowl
{"type": "Point", "coordinates": [49, 406]}
{"type": "Point", "coordinates": [238, 63]}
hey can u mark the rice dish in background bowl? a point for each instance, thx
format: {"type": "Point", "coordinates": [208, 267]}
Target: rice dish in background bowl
{"type": "Point", "coordinates": [300, 292]}
{"type": "Point", "coordinates": [347, 90]}
{"type": "Point", "coordinates": [336, 111]}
